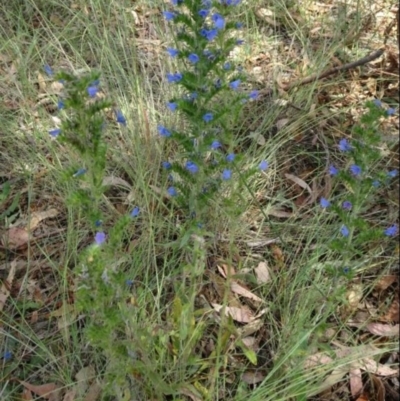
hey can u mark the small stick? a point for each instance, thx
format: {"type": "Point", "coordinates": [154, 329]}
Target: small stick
{"type": "Point", "coordinates": [331, 71]}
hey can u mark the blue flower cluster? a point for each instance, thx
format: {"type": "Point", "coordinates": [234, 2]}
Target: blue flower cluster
{"type": "Point", "coordinates": [209, 75]}
{"type": "Point", "coordinates": [356, 171]}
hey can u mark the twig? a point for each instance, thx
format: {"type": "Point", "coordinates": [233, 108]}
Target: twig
{"type": "Point", "coordinates": [331, 71]}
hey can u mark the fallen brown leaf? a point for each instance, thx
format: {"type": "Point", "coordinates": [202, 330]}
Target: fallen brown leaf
{"type": "Point", "coordinates": [384, 330]}
{"type": "Point", "coordinates": [356, 384]}
{"type": "Point", "coordinates": [26, 395]}
{"type": "Point", "coordinates": [241, 315]}
{"type": "Point", "coordinates": [299, 182]}
{"type": "Point", "coordinates": [70, 395]}
{"type": "Point", "coordinates": [385, 282]}
{"type": "Point", "coordinates": [49, 391]}
{"type": "Point", "coordinates": [253, 377]}
{"type": "Point", "coordinates": [262, 273]}
{"type": "Point", "coordinates": [15, 237]}
{"type": "Point", "coordinates": [238, 289]}
{"type": "Point", "coordinates": [93, 392]}
{"type": "Point", "coordinates": [37, 217]}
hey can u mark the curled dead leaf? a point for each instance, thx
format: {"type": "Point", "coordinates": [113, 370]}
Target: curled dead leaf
{"type": "Point", "coordinates": [384, 330]}
{"type": "Point", "coordinates": [262, 273]}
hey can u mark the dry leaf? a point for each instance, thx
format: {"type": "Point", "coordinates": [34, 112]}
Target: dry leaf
{"type": "Point", "coordinates": [370, 366]}
{"type": "Point", "coordinates": [273, 211]}
{"type": "Point", "coordinates": [41, 82]}
{"type": "Point", "coordinates": [26, 395]}
{"type": "Point", "coordinates": [299, 182]}
{"type": "Point", "coordinates": [226, 270]}
{"type": "Point", "coordinates": [392, 314]}
{"type": "Point", "coordinates": [49, 391]}
{"type": "Point", "coordinates": [15, 237]}
{"type": "Point", "coordinates": [37, 217]}
{"type": "Point", "coordinates": [379, 388]}
{"type": "Point", "coordinates": [241, 315]}
{"type": "Point", "coordinates": [116, 182]}
{"type": "Point", "coordinates": [385, 330]}
{"type": "Point", "coordinates": [238, 289]}
{"type": "Point", "coordinates": [249, 342]}
{"type": "Point", "coordinates": [83, 377]}
{"type": "Point", "coordinates": [253, 377]}
{"type": "Point", "coordinates": [6, 286]}
{"type": "Point", "coordinates": [262, 273]}
{"type": "Point", "coordinates": [70, 395]}
{"type": "Point", "coordinates": [356, 384]}
{"type": "Point", "coordinates": [354, 296]}
{"type": "Point", "coordinates": [385, 282]}
{"type": "Point", "coordinates": [93, 392]}
{"type": "Point", "coordinates": [251, 328]}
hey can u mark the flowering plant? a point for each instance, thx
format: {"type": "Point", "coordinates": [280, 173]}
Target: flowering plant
{"type": "Point", "coordinates": [362, 180]}
{"type": "Point", "coordinates": [211, 97]}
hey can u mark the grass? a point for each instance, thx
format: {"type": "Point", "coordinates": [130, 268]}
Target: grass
{"type": "Point", "coordinates": [184, 349]}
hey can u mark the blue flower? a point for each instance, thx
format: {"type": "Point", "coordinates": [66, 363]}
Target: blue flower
{"type": "Point", "coordinates": [92, 91]}
{"type": "Point", "coordinates": [253, 94]}
{"type": "Point", "coordinates": [172, 78]}
{"type": "Point", "coordinates": [55, 132]}
{"type": "Point", "coordinates": [235, 84]}
{"type": "Point", "coordinates": [209, 34]}
{"type": "Point", "coordinates": [239, 25]}
{"type": "Point", "coordinates": [390, 111]}
{"type": "Point", "coordinates": [344, 231]}
{"type": "Point", "coordinates": [203, 13]}
{"type": "Point", "coordinates": [344, 145]}
{"type": "Point", "coordinates": [172, 106]}
{"type": "Point", "coordinates": [169, 15]}
{"type": "Point", "coordinates": [7, 355]}
{"type": "Point", "coordinates": [164, 131]}
{"type": "Point", "coordinates": [324, 203]}
{"type": "Point", "coordinates": [355, 170]}
{"type": "Point", "coordinates": [239, 42]}
{"type": "Point", "coordinates": [98, 223]}
{"type": "Point", "coordinates": [172, 191]}
{"type": "Point", "coordinates": [120, 117]}
{"type": "Point", "coordinates": [347, 205]}
{"type": "Point", "coordinates": [80, 172]}
{"type": "Point", "coordinates": [219, 21]}
{"type": "Point", "coordinates": [215, 145]}
{"type": "Point", "coordinates": [100, 238]}
{"type": "Point", "coordinates": [48, 70]}
{"type": "Point", "coordinates": [226, 174]}
{"type": "Point", "coordinates": [227, 66]}
{"type": "Point", "coordinates": [208, 117]}
{"type": "Point", "coordinates": [206, 3]}
{"type": "Point", "coordinates": [230, 158]}
{"type": "Point", "coordinates": [135, 212]}
{"type": "Point", "coordinates": [393, 173]}
{"type": "Point", "coordinates": [191, 167]}
{"type": "Point", "coordinates": [377, 103]}
{"type": "Point", "coordinates": [60, 104]}
{"type": "Point", "coordinates": [166, 165]}
{"type": "Point", "coordinates": [129, 282]}
{"type": "Point", "coordinates": [333, 170]}
{"type": "Point", "coordinates": [193, 96]}
{"type": "Point", "coordinates": [346, 270]}
{"type": "Point", "coordinates": [391, 231]}
{"type": "Point", "coordinates": [263, 165]}
{"type": "Point", "coordinates": [193, 58]}
{"type": "Point", "coordinates": [376, 184]}
{"type": "Point", "coordinates": [230, 2]}
{"type": "Point", "coordinates": [172, 52]}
